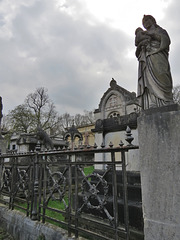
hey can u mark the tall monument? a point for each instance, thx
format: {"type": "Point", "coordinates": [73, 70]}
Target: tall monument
{"type": "Point", "coordinates": [154, 75]}
{"type": "Point", "coordinates": [158, 131]}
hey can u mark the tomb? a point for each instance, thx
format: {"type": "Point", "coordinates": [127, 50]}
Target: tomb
{"type": "Point", "coordinates": [118, 108]}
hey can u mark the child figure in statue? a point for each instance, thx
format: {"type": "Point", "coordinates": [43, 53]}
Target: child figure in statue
{"type": "Point", "coordinates": [141, 40]}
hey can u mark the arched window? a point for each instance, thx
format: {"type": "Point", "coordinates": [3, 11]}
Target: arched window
{"type": "Point", "coordinates": [114, 114]}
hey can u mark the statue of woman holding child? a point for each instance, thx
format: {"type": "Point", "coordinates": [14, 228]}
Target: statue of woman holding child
{"type": "Point", "coordinates": [154, 76]}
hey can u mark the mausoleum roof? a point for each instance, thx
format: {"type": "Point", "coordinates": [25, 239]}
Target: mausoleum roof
{"type": "Point", "coordinates": [128, 97]}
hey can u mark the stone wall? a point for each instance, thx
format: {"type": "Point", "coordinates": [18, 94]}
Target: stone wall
{"type": "Point", "coordinates": [23, 228]}
{"type": "Point", "coordinates": [3, 145]}
{"type": "Point", "coordinates": [114, 130]}
{"type": "Point", "coordinates": [159, 148]}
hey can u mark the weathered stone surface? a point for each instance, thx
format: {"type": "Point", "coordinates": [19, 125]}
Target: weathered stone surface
{"type": "Point", "coordinates": [154, 75]}
{"type": "Point", "coordinates": [23, 228]}
{"type": "Point", "coordinates": [159, 147]}
{"type": "Point", "coordinates": [2, 145]}
{"type": "Point", "coordinates": [118, 108]}
{"type": "Point", "coordinates": [119, 123]}
{"type": "Point", "coordinates": [4, 235]}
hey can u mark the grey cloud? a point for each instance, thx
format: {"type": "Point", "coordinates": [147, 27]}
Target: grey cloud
{"type": "Point", "coordinates": [73, 59]}
{"type": "Point", "coordinates": [171, 24]}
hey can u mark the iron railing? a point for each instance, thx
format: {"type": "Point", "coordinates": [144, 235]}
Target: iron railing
{"type": "Point", "coordinates": [60, 187]}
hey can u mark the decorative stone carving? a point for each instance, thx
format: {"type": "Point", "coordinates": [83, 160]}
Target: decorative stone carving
{"type": "Point", "coordinates": [115, 99]}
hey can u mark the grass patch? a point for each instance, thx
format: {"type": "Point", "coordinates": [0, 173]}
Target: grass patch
{"type": "Point", "coordinates": [21, 204]}
{"type": "Point", "coordinates": [56, 205]}
{"type": "Point", "coordinates": [88, 170]}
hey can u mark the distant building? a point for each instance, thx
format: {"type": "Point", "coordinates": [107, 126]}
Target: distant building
{"type": "Point", "coordinates": [81, 137]}
{"type": "Point", "coordinates": [118, 108]}
{"type": "Point", "coordinates": [116, 102]}
{"type": "Point", "coordinates": [26, 142]}
{"type": "Point", "coordinates": [87, 134]}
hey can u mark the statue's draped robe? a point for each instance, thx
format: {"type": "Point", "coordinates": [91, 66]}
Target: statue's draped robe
{"type": "Point", "coordinates": [154, 76]}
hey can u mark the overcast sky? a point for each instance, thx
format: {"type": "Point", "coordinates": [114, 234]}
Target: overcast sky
{"type": "Point", "coordinates": [74, 48]}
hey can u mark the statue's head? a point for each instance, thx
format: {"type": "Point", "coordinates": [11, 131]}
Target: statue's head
{"type": "Point", "coordinates": [138, 30]}
{"type": "Point", "coordinates": [148, 18]}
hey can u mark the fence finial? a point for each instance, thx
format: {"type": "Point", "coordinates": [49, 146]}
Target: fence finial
{"type": "Point", "coordinates": [38, 146]}
{"type": "Point", "coordinates": [129, 137]}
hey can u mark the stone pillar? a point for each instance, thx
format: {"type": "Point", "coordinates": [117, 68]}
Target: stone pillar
{"type": "Point", "coordinates": [159, 148]}
{"type": "Point", "coordinates": [3, 144]}
{"type": "Point", "coordinates": [99, 156]}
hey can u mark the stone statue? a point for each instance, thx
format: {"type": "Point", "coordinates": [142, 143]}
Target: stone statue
{"type": "Point", "coordinates": [154, 76]}
{"type": "Point", "coordinates": [43, 136]}
{"type": "Point", "coordinates": [141, 41]}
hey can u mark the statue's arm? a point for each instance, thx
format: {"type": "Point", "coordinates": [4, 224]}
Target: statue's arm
{"type": "Point", "coordinates": [162, 37]}
{"type": "Point", "coordinates": [165, 41]}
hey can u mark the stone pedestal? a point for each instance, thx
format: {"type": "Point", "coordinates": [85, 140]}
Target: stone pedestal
{"type": "Point", "coordinates": [2, 145]}
{"type": "Point", "coordinates": [159, 145]}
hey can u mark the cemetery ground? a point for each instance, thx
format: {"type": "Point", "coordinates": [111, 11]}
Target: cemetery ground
{"type": "Point", "coordinates": [4, 235]}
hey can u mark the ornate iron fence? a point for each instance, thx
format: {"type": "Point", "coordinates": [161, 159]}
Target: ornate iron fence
{"type": "Point", "coordinates": [58, 186]}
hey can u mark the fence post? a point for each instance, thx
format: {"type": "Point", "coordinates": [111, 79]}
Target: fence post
{"type": "Point", "coordinates": [13, 186]}
{"type": "Point", "coordinates": [76, 199]}
{"type": "Point", "coordinates": [1, 174]}
{"type": "Point", "coordinates": [125, 194]}
{"type": "Point", "coordinates": [115, 202]}
{"type": "Point", "coordinates": [35, 183]}
{"type": "Point", "coordinates": [69, 196]}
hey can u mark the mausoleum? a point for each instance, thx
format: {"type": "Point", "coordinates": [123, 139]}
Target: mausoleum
{"type": "Point", "coordinates": [118, 108]}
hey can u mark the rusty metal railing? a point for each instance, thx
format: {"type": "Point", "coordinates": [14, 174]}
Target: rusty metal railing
{"type": "Point", "coordinates": [85, 197]}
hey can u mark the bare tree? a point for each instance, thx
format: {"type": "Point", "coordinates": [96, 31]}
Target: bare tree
{"type": "Point", "coordinates": [20, 119]}
{"type": "Point", "coordinates": [39, 103]}
{"type": "Point", "coordinates": [89, 117]}
{"type": "Point", "coordinates": [78, 120]}
{"type": "Point", "coordinates": [65, 121]}
{"type": "Point", "coordinates": [37, 111]}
